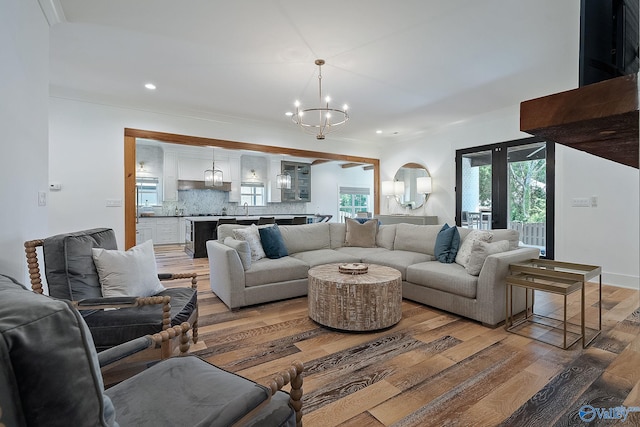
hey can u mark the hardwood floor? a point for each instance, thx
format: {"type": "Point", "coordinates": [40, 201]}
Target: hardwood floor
{"type": "Point", "coordinates": [431, 369]}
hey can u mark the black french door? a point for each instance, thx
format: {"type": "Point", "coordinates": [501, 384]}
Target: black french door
{"type": "Point", "coordinates": [509, 185]}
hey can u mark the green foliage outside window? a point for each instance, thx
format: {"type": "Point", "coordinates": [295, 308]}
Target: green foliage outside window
{"type": "Point", "coordinates": [527, 195]}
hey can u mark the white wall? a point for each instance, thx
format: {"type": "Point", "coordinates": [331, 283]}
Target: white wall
{"type": "Point", "coordinates": [87, 156]}
{"type": "Point", "coordinates": [24, 89]}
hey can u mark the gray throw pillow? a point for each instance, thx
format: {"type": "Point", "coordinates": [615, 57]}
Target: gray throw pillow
{"type": "Point", "coordinates": [361, 235]}
{"type": "Point", "coordinates": [464, 252]}
{"type": "Point", "coordinates": [480, 251]}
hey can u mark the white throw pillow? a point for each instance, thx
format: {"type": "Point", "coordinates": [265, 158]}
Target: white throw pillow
{"type": "Point", "coordinates": [464, 252]}
{"type": "Point", "coordinates": [480, 251]}
{"type": "Point", "coordinates": [128, 273]}
{"type": "Point", "coordinates": [243, 249]}
{"type": "Point", "coordinates": [251, 235]}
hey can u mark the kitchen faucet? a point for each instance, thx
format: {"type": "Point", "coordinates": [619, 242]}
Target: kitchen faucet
{"type": "Point", "coordinates": [246, 209]}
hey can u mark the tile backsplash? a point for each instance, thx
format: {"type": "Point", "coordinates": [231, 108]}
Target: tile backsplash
{"type": "Point", "coordinates": [203, 202]}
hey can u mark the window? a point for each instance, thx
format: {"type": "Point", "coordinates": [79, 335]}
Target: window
{"type": "Point", "coordinates": [353, 200]}
{"type": "Point", "coordinates": [147, 191]}
{"type": "Point", "coordinates": [252, 194]}
{"type": "Point", "coordinates": [509, 185]}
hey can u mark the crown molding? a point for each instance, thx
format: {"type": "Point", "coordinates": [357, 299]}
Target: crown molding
{"type": "Point", "coordinates": [53, 12]}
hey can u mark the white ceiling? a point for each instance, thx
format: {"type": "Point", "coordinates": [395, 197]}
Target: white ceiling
{"type": "Point", "coordinates": [402, 66]}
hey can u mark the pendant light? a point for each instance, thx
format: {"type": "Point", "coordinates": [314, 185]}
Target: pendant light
{"type": "Point", "coordinates": [213, 176]}
{"type": "Point", "coordinates": [283, 180]}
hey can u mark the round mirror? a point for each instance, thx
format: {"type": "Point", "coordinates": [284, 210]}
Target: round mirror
{"type": "Point", "coordinates": [412, 185]}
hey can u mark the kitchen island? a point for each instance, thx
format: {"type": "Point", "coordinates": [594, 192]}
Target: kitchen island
{"type": "Point", "coordinates": [199, 229]}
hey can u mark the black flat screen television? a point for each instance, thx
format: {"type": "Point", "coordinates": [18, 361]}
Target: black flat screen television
{"type": "Point", "coordinates": [608, 39]}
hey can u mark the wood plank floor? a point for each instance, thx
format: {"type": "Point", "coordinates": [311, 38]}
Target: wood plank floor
{"type": "Point", "coordinates": [431, 369]}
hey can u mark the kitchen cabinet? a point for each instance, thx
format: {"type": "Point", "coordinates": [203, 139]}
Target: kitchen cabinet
{"type": "Point", "coordinates": [234, 174]}
{"type": "Point", "coordinates": [192, 168]}
{"type": "Point", "coordinates": [275, 168]}
{"type": "Point", "coordinates": [145, 230]}
{"type": "Point", "coordinates": [167, 231]}
{"type": "Point", "coordinates": [300, 190]}
{"type": "Point", "coordinates": [162, 230]}
{"type": "Point", "coordinates": [170, 177]}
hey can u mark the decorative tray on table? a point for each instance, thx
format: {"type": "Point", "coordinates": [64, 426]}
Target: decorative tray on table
{"type": "Point", "coordinates": [353, 268]}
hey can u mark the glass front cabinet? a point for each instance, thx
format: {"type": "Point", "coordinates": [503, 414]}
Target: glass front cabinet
{"type": "Point", "coordinates": [300, 190]}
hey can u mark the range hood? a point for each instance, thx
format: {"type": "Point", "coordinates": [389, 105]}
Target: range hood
{"type": "Point", "coordinates": [184, 184]}
{"type": "Point", "coordinates": [600, 118]}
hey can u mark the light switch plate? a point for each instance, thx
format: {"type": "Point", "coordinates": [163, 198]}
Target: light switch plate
{"type": "Point", "coordinates": [581, 202]}
{"type": "Point", "coordinates": [112, 203]}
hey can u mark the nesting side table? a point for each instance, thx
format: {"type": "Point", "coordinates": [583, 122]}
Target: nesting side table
{"type": "Point", "coordinates": [557, 277]}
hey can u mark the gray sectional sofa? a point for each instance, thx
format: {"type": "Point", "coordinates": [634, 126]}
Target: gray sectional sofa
{"type": "Point", "coordinates": [406, 247]}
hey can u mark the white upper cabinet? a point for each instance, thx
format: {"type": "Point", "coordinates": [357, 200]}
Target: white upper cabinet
{"type": "Point", "coordinates": [170, 177]}
{"type": "Point", "coordinates": [192, 168]}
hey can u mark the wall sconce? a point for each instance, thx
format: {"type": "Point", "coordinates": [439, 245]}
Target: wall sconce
{"type": "Point", "coordinates": [423, 185]}
{"type": "Point", "coordinates": [398, 188]}
{"type": "Point", "coordinates": [387, 188]}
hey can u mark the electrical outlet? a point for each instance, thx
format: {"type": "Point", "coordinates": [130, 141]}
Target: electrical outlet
{"type": "Point", "coordinates": [581, 202]}
{"type": "Point", "coordinates": [594, 201]}
{"type": "Point", "coordinates": [42, 198]}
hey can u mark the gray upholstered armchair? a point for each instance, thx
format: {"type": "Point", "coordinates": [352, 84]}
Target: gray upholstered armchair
{"type": "Point", "coordinates": [50, 376]}
{"type": "Point", "coordinates": [72, 275]}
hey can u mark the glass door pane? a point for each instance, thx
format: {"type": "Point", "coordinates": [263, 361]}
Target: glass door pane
{"type": "Point", "coordinates": [476, 171]}
{"type": "Point", "coordinates": [527, 193]}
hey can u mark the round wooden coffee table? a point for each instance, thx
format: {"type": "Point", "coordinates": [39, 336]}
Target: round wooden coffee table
{"type": "Point", "coordinates": [355, 302]}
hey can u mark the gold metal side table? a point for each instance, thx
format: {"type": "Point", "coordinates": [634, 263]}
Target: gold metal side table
{"type": "Point", "coordinates": [557, 277]}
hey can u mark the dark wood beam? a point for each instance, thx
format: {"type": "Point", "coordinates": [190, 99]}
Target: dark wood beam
{"type": "Point", "coordinates": [350, 165]}
{"type": "Point", "coordinates": [601, 119]}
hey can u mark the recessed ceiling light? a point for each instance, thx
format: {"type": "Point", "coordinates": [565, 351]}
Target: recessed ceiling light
{"type": "Point", "coordinates": [150, 86]}
{"type": "Point", "coordinates": [378, 131]}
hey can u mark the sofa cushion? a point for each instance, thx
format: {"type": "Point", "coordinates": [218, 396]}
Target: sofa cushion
{"type": "Point", "coordinates": [272, 242]}
{"type": "Point", "coordinates": [275, 270]}
{"type": "Point", "coordinates": [216, 397]}
{"type": "Point", "coordinates": [467, 244]}
{"type": "Point", "coordinates": [243, 249]}
{"type": "Point", "coordinates": [447, 244]}
{"type": "Point", "coordinates": [451, 278]}
{"type": "Point", "coordinates": [480, 251]}
{"type": "Point", "coordinates": [362, 235]}
{"type": "Point", "coordinates": [128, 273]}
{"type": "Point", "coordinates": [69, 268]}
{"type": "Point", "coordinates": [306, 237]}
{"type": "Point", "coordinates": [251, 235]}
{"type": "Point", "coordinates": [416, 238]}
{"type": "Point", "coordinates": [399, 260]}
{"type": "Point", "coordinates": [324, 256]}
{"type": "Point", "coordinates": [362, 253]}
{"type": "Point", "coordinates": [337, 234]}
{"type": "Point", "coordinates": [113, 327]}
{"type": "Point", "coordinates": [386, 235]}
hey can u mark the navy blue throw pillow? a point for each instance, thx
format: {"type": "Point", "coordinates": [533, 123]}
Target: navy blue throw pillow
{"type": "Point", "coordinates": [447, 244]}
{"type": "Point", "coordinates": [272, 242]}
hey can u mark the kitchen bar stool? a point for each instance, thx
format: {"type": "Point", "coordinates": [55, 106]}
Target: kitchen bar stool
{"type": "Point", "coordinates": [266, 220]}
{"type": "Point", "coordinates": [223, 221]}
{"type": "Point", "coordinates": [299, 220]}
